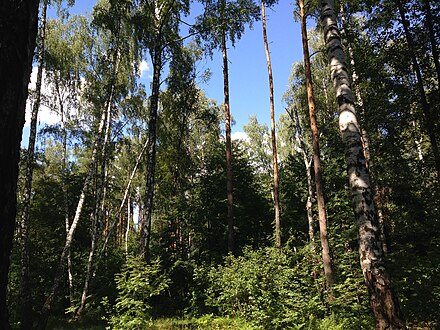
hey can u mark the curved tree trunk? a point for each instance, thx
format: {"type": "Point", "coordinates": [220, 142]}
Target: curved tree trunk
{"type": "Point", "coordinates": [19, 22]}
{"type": "Point", "coordinates": [276, 198]}
{"type": "Point", "coordinates": [322, 214]}
{"type": "Point", "coordinates": [26, 297]}
{"type": "Point", "coordinates": [383, 300]}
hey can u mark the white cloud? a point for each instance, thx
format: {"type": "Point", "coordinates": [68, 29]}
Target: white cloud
{"type": "Point", "coordinates": [144, 67]}
{"type": "Point", "coordinates": [45, 115]}
{"type": "Point", "coordinates": [240, 136]}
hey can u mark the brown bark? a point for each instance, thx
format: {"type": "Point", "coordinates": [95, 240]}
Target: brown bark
{"type": "Point", "coordinates": [276, 198]}
{"type": "Point", "coordinates": [383, 300]}
{"type": "Point", "coordinates": [18, 21]}
{"type": "Point", "coordinates": [429, 120]}
{"type": "Point", "coordinates": [326, 259]}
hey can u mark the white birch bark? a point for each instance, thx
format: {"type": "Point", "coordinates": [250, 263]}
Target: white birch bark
{"type": "Point", "coordinates": [383, 300]}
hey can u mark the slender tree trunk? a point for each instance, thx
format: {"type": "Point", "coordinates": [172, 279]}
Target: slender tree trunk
{"type": "Point", "coordinates": [307, 164]}
{"type": "Point", "coordinates": [383, 300]}
{"type": "Point", "coordinates": [26, 297]}
{"type": "Point", "coordinates": [326, 260]}
{"type": "Point", "coordinates": [151, 149]}
{"type": "Point", "coordinates": [19, 22]}
{"type": "Point", "coordinates": [45, 311]}
{"type": "Point", "coordinates": [127, 231]}
{"type": "Point", "coordinates": [427, 111]}
{"type": "Point", "coordinates": [126, 192]}
{"type": "Point", "coordinates": [229, 176]}
{"type": "Point", "coordinates": [276, 198]}
{"type": "Point", "coordinates": [100, 191]}
{"type": "Point", "coordinates": [229, 187]}
{"type": "Point", "coordinates": [430, 27]}
{"type": "Point", "coordinates": [65, 191]}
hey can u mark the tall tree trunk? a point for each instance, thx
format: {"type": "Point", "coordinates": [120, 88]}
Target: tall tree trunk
{"type": "Point", "coordinates": [430, 26]}
{"type": "Point", "coordinates": [427, 111]}
{"type": "Point", "coordinates": [383, 300]}
{"type": "Point", "coordinates": [229, 176]}
{"type": "Point", "coordinates": [229, 187]}
{"type": "Point", "coordinates": [45, 311]}
{"type": "Point", "coordinates": [19, 22]}
{"type": "Point", "coordinates": [26, 297]}
{"type": "Point", "coordinates": [65, 191]}
{"type": "Point", "coordinates": [96, 216]}
{"type": "Point", "coordinates": [326, 260]}
{"type": "Point", "coordinates": [365, 137]}
{"type": "Point", "coordinates": [100, 191]}
{"type": "Point", "coordinates": [276, 198]}
{"type": "Point", "coordinates": [156, 56]}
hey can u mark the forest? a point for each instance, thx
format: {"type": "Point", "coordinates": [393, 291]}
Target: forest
{"type": "Point", "coordinates": [138, 209]}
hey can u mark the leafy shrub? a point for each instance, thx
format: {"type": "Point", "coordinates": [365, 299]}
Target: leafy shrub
{"type": "Point", "coordinates": [136, 284]}
{"type": "Point", "coordinates": [271, 290]}
{"type": "Point", "coordinates": [274, 291]}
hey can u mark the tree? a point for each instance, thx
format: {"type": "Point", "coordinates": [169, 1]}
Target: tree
{"type": "Point", "coordinates": [26, 317]}
{"type": "Point", "coordinates": [222, 21]}
{"type": "Point", "coordinates": [158, 23]}
{"type": "Point", "coordinates": [17, 42]}
{"type": "Point", "coordinates": [322, 213]}
{"type": "Point", "coordinates": [383, 300]}
{"type": "Point", "coordinates": [276, 195]}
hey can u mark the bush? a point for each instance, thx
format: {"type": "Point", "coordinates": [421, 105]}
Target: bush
{"type": "Point", "coordinates": [136, 284]}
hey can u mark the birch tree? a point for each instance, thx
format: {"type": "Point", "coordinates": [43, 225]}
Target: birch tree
{"type": "Point", "coordinates": [158, 22]}
{"type": "Point", "coordinates": [383, 300]}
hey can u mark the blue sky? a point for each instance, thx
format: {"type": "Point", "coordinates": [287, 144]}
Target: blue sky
{"type": "Point", "coordinates": [249, 91]}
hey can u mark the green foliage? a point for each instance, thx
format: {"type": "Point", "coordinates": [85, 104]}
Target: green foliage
{"type": "Point", "coordinates": [206, 322]}
{"type": "Point", "coordinates": [137, 283]}
{"type": "Point", "coordinates": [273, 291]}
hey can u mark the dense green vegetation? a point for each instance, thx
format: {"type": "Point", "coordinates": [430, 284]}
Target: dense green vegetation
{"type": "Point", "coordinates": [136, 263]}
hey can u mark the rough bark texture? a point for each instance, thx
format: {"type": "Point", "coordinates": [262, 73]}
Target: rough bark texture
{"type": "Point", "coordinates": [429, 120]}
{"type": "Point", "coordinates": [276, 198]}
{"type": "Point", "coordinates": [18, 25]}
{"type": "Point", "coordinates": [383, 301]}
{"type": "Point", "coordinates": [322, 214]}
{"type": "Point", "coordinates": [26, 298]}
